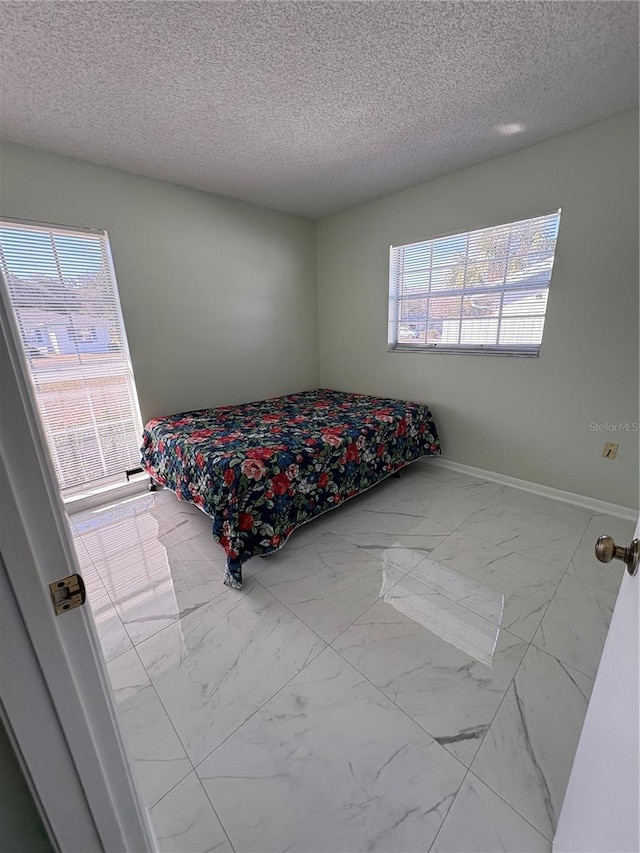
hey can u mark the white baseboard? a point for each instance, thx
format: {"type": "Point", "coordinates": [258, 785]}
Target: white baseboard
{"type": "Point", "coordinates": [593, 504]}
{"type": "Point", "coordinates": [78, 503]}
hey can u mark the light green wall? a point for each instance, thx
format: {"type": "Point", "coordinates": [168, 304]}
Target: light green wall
{"type": "Point", "coordinates": [527, 418]}
{"type": "Point", "coordinates": [219, 299]}
{"type": "Point", "coordinates": [21, 829]}
{"type": "Point", "coordinates": [218, 296]}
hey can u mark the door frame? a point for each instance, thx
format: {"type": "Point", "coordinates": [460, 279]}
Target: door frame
{"type": "Point", "coordinates": [54, 686]}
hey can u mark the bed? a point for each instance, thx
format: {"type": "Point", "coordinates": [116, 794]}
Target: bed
{"type": "Point", "coordinates": [262, 469]}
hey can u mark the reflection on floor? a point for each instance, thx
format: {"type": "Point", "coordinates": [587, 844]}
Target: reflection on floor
{"type": "Point", "coordinates": [357, 694]}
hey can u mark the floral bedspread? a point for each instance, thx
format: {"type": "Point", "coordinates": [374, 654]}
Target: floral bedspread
{"type": "Point", "coordinates": [262, 469]}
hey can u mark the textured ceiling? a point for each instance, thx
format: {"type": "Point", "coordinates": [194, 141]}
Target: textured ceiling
{"type": "Point", "coordinates": [308, 107]}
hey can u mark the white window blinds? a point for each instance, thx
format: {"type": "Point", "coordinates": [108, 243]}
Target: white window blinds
{"type": "Point", "coordinates": [65, 297]}
{"type": "Point", "coordinates": [477, 292]}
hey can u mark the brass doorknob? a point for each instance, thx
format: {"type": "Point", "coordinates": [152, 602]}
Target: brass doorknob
{"type": "Point", "coordinates": [607, 550]}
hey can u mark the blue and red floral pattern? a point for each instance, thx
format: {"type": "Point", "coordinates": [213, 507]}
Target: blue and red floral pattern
{"type": "Point", "coordinates": [262, 469]}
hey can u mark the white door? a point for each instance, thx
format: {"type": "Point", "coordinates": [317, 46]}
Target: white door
{"type": "Point", "coordinates": [54, 692]}
{"type": "Point", "coordinates": [601, 811]}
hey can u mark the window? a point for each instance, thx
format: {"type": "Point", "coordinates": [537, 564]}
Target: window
{"type": "Point", "coordinates": [478, 292]}
{"type": "Point", "coordinates": [65, 298]}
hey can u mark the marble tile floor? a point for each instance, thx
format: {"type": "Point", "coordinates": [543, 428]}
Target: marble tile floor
{"type": "Point", "coordinates": [410, 673]}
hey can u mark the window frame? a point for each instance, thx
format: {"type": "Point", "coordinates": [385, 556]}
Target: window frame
{"type": "Point", "coordinates": [517, 351]}
{"type": "Point", "coordinates": [103, 235]}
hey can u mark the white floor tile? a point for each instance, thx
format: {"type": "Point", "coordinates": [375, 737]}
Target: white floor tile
{"type": "Point", "coordinates": [575, 626]}
{"type": "Point", "coordinates": [306, 748]}
{"type": "Point", "coordinates": [114, 640]}
{"type": "Point", "coordinates": [527, 753]}
{"type": "Point", "coordinates": [480, 822]}
{"type": "Point", "coordinates": [182, 524]}
{"type": "Point", "coordinates": [537, 503]}
{"type": "Point", "coordinates": [185, 822]}
{"type": "Point", "coordinates": [157, 517]}
{"type": "Point", "coordinates": [449, 693]}
{"type": "Point", "coordinates": [327, 583]}
{"type": "Point", "coordinates": [450, 502]}
{"type": "Point", "coordinates": [155, 752]}
{"type": "Point", "coordinates": [216, 666]}
{"type": "Point", "coordinates": [329, 764]}
{"type": "Point", "coordinates": [152, 585]}
{"type": "Point", "coordinates": [401, 540]}
{"type": "Point", "coordinates": [528, 584]}
{"type": "Point", "coordinates": [535, 534]}
{"type": "Point", "coordinates": [466, 591]}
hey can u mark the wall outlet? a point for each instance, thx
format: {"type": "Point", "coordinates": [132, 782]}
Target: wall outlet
{"type": "Point", "coordinates": [610, 450]}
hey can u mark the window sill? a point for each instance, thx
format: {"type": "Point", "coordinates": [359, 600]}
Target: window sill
{"type": "Point", "coordinates": [90, 498]}
{"type": "Point", "coordinates": [449, 350]}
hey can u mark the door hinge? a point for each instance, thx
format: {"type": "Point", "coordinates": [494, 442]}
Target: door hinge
{"type": "Point", "coordinates": [68, 593]}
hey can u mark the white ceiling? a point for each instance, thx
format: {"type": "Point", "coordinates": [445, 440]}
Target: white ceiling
{"type": "Point", "coordinates": [308, 107]}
